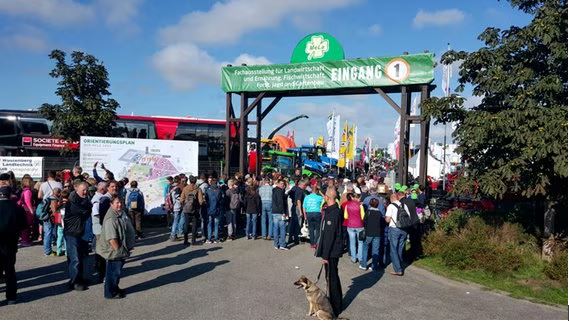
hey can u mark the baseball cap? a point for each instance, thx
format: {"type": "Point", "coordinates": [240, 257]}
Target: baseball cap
{"type": "Point", "coordinates": [403, 188]}
{"type": "Point", "coordinates": [4, 177]}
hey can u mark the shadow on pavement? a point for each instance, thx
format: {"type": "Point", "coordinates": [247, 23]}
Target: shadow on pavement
{"type": "Point", "coordinates": [175, 277]}
{"type": "Point", "coordinates": [42, 275]}
{"type": "Point", "coordinates": [157, 264]}
{"type": "Point", "coordinates": [163, 251]}
{"type": "Point", "coordinates": [152, 238]}
{"type": "Point", "coordinates": [360, 283]}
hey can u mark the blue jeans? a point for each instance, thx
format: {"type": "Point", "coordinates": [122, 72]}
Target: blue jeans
{"type": "Point", "coordinates": [384, 251]}
{"type": "Point", "coordinates": [279, 230]}
{"type": "Point", "coordinates": [353, 232]}
{"type": "Point", "coordinates": [48, 229]}
{"type": "Point", "coordinates": [76, 253]}
{"type": "Point", "coordinates": [113, 277]}
{"type": "Point", "coordinates": [397, 238]}
{"type": "Point", "coordinates": [294, 227]}
{"type": "Point", "coordinates": [251, 227]}
{"type": "Point", "coordinates": [60, 243]}
{"type": "Point", "coordinates": [314, 219]}
{"type": "Point", "coordinates": [177, 224]}
{"type": "Point", "coordinates": [213, 223]}
{"type": "Point", "coordinates": [232, 222]}
{"type": "Point", "coordinates": [266, 219]}
{"type": "Point", "coordinates": [374, 241]}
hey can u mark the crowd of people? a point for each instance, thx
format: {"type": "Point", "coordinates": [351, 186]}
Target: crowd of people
{"type": "Point", "coordinates": [72, 213]}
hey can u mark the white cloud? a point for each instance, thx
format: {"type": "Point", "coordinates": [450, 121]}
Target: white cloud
{"type": "Point", "coordinates": [307, 22]}
{"type": "Point", "coordinates": [120, 14]}
{"type": "Point", "coordinates": [237, 17]}
{"type": "Point", "coordinates": [438, 18]}
{"type": "Point", "coordinates": [55, 12]}
{"type": "Point", "coordinates": [185, 65]}
{"type": "Point", "coordinates": [117, 15]}
{"type": "Point", "coordinates": [26, 38]}
{"type": "Point", "coordinates": [375, 30]}
{"type": "Point", "coordinates": [249, 60]}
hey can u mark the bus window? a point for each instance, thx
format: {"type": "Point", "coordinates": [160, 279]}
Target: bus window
{"type": "Point", "coordinates": [35, 126]}
{"type": "Point", "coordinates": [7, 127]}
{"type": "Point", "coordinates": [185, 132]}
{"type": "Point", "coordinates": [135, 129]}
{"type": "Point", "coordinates": [215, 146]}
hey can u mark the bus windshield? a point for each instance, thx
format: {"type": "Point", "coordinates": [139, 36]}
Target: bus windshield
{"type": "Point", "coordinates": [35, 125]}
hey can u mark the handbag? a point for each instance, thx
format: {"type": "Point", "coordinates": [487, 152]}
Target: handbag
{"type": "Point", "coordinates": [362, 235]}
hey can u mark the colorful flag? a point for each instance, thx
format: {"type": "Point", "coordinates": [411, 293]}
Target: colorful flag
{"type": "Point", "coordinates": [447, 75]}
{"type": "Point", "coordinates": [396, 141]}
{"type": "Point", "coordinates": [351, 145]}
{"type": "Point", "coordinates": [343, 147]}
{"type": "Point", "coordinates": [320, 141]}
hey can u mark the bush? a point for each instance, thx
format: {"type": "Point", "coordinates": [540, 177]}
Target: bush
{"type": "Point", "coordinates": [557, 268]}
{"type": "Point", "coordinates": [455, 221]}
{"type": "Point", "coordinates": [477, 245]}
{"type": "Point", "coordinates": [434, 243]}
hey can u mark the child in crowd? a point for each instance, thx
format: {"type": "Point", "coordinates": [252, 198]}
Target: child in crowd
{"type": "Point", "coordinates": [58, 221]}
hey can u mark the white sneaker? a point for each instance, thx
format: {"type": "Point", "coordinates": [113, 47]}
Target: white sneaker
{"type": "Point", "coordinates": [284, 248]}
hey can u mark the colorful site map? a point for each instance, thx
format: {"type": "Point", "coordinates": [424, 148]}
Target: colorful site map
{"type": "Point", "coordinates": [147, 161]}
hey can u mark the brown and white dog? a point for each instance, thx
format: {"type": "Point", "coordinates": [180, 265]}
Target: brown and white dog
{"type": "Point", "coordinates": [319, 304]}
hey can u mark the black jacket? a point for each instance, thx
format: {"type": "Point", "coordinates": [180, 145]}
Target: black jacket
{"type": "Point", "coordinates": [374, 223]}
{"type": "Point", "coordinates": [77, 212]}
{"type": "Point", "coordinates": [331, 242]}
{"type": "Point", "coordinates": [279, 201]}
{"type": "Point", "coordinates": [252, 203]}
{"type": "Point", "coordinates": [12, 221]}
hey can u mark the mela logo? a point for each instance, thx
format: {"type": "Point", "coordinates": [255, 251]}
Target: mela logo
{"type": "Point", "coordinates": [317, 47]}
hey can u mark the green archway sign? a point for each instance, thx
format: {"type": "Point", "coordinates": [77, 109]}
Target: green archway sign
{"type": "Point", "coordinates": [317, 47]}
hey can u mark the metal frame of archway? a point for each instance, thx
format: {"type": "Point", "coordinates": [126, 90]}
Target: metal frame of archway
{"type": "Point", "coordinates": [242, 122]}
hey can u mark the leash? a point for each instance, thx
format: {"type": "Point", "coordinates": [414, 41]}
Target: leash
{"type": "Point", "coordinates": [319, 274]}
{"type": "Point", "coordinates": [318, 279]}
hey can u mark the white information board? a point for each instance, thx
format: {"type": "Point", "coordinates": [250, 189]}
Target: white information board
{"type": "Point", "coordinates": [22, 165]}
{"type": "Point", "coordinates": [148, 161]}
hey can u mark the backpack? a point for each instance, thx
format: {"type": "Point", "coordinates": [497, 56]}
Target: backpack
{"type": "Point", "coordinates": [133, 199]}
{"type": "Point", "coordinates": [191, 204]}
{"type": "Point", "coordinates": [168, 201]}
{"type": "Point", "coordinates": [12, 217]}
{"type": "Point", "coordinates": [43, 210]}
{"type": "Point", "coordinates": [235, 201]}
{"type": "Point", "coordinates": [404, 220]}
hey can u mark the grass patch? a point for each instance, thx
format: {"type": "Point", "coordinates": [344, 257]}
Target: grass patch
{"type": "Point", "coordinates": [528, 282]}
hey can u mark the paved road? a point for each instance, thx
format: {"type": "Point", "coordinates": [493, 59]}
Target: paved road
{"type": "Point", "coordinates": [246, 279]}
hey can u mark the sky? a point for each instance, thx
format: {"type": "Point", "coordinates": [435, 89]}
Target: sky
{"type": "Point", "coordinates": [164, 57]}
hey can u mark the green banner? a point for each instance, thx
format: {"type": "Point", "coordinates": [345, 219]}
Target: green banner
{"type": "Point", "coordinates": [356, 73]}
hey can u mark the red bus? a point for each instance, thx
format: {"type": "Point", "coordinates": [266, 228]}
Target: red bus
{"type": "Point", "coordinates": [27, 133]}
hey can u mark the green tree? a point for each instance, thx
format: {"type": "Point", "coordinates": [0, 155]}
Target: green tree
{"type": "Point", "coordinates": [515, 140]}
{"type": "Point", "coordinates": [86, 109]}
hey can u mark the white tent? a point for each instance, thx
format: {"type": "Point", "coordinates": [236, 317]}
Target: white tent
{"type": "Point", "coordinates": [434, 167]}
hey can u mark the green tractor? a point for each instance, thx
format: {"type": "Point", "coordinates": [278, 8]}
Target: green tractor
{"type": "Point", "coordinates": [279, 162]}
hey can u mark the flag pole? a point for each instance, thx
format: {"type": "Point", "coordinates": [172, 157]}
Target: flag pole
{"type": "Point", "coordinates": [447, 93]}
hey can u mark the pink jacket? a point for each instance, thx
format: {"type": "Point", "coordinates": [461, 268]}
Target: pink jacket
{"type": "Point", "coordinates": [25, 201]}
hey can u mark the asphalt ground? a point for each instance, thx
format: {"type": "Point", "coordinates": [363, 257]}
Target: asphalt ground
{"type": "Point", "coordinates": [248, 279]}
